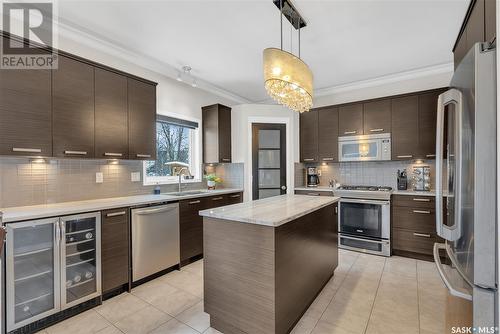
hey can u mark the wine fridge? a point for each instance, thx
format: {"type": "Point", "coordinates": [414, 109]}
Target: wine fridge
{"type": "Point", "coordinates": [51, 265]}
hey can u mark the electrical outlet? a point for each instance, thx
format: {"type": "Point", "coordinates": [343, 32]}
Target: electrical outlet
{"type": "Point", "coordinates": [99, 177]}
{"type": "Point", "coordinates": [319, 172]}
{"type": "Point", "coordinates": [135, 176]}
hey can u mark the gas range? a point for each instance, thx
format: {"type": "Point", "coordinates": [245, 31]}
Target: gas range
{"type": "Point", "coordinates": [364, 192]}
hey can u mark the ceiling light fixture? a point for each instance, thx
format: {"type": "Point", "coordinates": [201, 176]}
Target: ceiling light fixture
{"type": "Point", "coordinates": [288, 80]}
{"type": "Point", "coordinates": [187, 77]}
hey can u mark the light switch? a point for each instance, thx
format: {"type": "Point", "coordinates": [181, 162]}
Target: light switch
{"type": "Point", "coordinates": [135, 176]}
{"type": "Point", "coordinates": [98, 177]}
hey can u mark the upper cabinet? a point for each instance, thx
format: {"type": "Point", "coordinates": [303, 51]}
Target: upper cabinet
{"type": "Point", "coordinates": [404, 127]}
{"type": "Point", "coordinates": [351, 120]}
{"type": "Point", "coordinates": [73, 109]}
{"type": "Point", "coordinates": [309, 136]}
{"type": "Point", "coordinates": [479, 26]}
{"type": "Point", "coordinates": [111, 115]}
{"type": "Point", "coordinates": [25, 112]}
{"type": "Point", "coordinates": [328, 133]}
{"type": "Point", "coordinates": [377, 117]}
{"type": "Point", "coordinates": [79, 109]}
{"type": "Point", "coordinates": [216, 133]}
{"type": "Point", "coordinates": [427, 118]}
{"type": "Point", "coordinates": [141, 120]}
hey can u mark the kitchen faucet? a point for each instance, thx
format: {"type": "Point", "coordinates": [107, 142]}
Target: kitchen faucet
{"type": "Point", "coordinates": [178, 169]}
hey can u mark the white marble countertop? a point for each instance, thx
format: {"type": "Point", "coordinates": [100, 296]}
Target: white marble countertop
{"type": "Point", "coordinates": [313, 189]}
{"type": "Point", "coordinates": [417, 193]}
{"type": "Point", "coordinates": [20, 213]}
{"type": "Point", "coordinates": [272, 211]}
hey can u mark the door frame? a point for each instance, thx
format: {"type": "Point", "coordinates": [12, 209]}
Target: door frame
{"type": "Point", "coordinates": [289, 161]}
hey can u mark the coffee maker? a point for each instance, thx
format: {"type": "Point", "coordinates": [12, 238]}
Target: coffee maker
{"type": "Point", "coordinates": [312, 177]}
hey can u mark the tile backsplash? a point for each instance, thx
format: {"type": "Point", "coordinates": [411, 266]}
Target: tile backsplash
{"type": "Point", "coordinates": [363, 173]}
{"type": "Point", "coordinates": [26, 182]}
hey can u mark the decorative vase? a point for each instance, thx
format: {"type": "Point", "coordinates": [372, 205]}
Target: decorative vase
{"type": "Point", "coordinates": [211, 185]}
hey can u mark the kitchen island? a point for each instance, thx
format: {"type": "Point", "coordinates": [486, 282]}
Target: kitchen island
{"type": "Point", "coordinates": [265, 261]}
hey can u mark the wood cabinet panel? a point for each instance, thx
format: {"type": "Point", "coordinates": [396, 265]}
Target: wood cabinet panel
{"type": "Point", "coordinates": [410, 241]}
{"type": "Point", "coordinates": [460, 49]}
{"type": "Point", "coordinates": [25, 112]}
{"type": "Point", "coordinates": [489, 20]}
{"type": "Point", "coordinates": [475, 25]}
{"type": "Point", "coordinates": [111, 115]}
{"type": "Point", "coordinates": [414, 219]}
{"type": "Point", "coordinates": [73, 109]}
{"type": "Point", "coordinates": [377, 117]}
{"type": "Point", "coordinates": [191, 227]}
{"type": "Point", "coordinates": [427, 118]}
{"type": "Point", "coordinates": [404, 126]}
{"type": "Point", "coordinates": [141, 120]}
{"type": "Point", "coordinates": [224, 134]}
{"type": "Point", "coordinates": [414, 201]}
{"type": "Point", "coordinates": [115, 238]}
{"type": "Point", "coordinates": [216, 131]}
{"type": "Point", "coordinates": [234, 198]}
{"type": "Point", "coordinates": [328, 133]}
{"type": "Point", "coordinates": [309, 136]}
{"type": "Point", "coordinates": [351, 120]}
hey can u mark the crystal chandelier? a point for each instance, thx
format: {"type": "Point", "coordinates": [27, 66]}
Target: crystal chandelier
{"type": "Point", "coordinates": [288, 80]}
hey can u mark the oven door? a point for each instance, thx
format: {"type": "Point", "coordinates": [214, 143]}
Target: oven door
{"type": "Point", "coordinates": [365, 218]}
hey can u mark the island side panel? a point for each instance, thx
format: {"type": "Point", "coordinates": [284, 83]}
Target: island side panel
{"type": "Point", "coordinates": [239, 276]}
{"type": "Point", "coordinates": [306, 257]}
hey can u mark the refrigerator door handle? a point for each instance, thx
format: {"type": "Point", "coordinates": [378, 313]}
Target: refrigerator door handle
{"type": "Point", "coordinates": [461, 293]}
{"type": "Point", "coordinates": [453, 232]}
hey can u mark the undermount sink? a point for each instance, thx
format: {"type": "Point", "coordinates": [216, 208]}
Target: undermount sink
{"type": "Point", "coordinates": [186, 193]}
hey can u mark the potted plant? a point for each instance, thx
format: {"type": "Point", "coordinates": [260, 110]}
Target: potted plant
{"type": "Point", "coordinates": [212, 180]}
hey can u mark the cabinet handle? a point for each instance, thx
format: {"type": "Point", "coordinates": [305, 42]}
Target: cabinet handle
{"type": "Point", "coordinates": [421, 200]}
{"type": "Point", "coordinates": [26, 150]}
{"type": "Point", "coordinates": [195, 202]}
{"type": "Point", "coordinates": [376, 130]}
{"type": "Point", "coordinates": [327, 159]}
{"type": "Point", "coordinates": [308, 159]}
{"type": "Point", "coordinates": [75, 152]}
{"type": "Point", "coordinates": [226, 159]}
{"type": "Point", "coordinates": [235, 196]}
{"type": "Point", "coordinates": [110, 154]}
{"type": "Point", "coordinates": [426, 212]}
{"type": "Point", "coordinates": [350, 132]}
{"type": "Point", "coordinates": [336, 210]}
{"type": "Point", "coordinates": [313, 194]}
{"type": "Point", "coordinates": [430, 155]}
{"type": "Point", "coordinates": [422, 235]}
{"type": "Point", "coordinates": [115, 214]}
{"type": "Point", "coordinates": [143, 155]}
{"type": "Point", "coordinates": [217, 198]}
{"type": "Point", "coordinates": [405, 156]}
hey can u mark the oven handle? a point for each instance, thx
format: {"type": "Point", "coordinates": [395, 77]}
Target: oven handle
{"type": "Point", "coordinates": [367, 240]}
{"type": "Point", "coordinates": [364, 201]}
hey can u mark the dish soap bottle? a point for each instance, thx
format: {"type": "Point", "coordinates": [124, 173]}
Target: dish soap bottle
{"type": "Point", "coordinates": [157, 189]}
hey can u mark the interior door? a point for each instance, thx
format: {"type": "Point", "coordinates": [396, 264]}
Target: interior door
{"type": "Point", "coordinates": [268, 160]}
{"type": "Point", "coordinates": [32, 271]}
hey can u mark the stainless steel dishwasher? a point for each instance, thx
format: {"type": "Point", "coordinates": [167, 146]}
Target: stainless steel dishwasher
{"type": "Point", "coordinates": [155, 239]}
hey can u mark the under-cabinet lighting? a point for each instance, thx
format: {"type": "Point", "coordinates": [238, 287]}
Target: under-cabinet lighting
{"type": "Point", "coordinates": [38, 161]}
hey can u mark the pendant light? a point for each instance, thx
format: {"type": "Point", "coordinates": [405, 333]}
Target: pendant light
{"type": "Point", "coordinates": [288, 80]}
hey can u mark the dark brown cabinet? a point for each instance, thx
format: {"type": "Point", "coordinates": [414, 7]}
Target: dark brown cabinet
{"type": "Point", "coordinates": [25, 112]}
{"type": "Point", "coordinates": [309, 136]}
{"type": "Point", "coordinates": [475, 24]}
{"type": "Point", "coordinates": [216, 133]}
{"type": "Point", "coordinates": [328, 133]}
{"type": "Point", "coordinates": [377, 117]}
{"type": "Point", "coordinates": [115, 240]}
{"type": "Point", "coordinates": [191, 223]}
{"type": "Point", "coordinates": [141, 120]}
{"type": "Point", "coordinates": [111, 115]}
{"type": "Point", "coordinates": [351, 120]}
{"type": "Point", "coordinates": [404, 124]}
{"type": "Point", "coordinates": [490, 20]}
{"type": "Point", "coordinates": [427, 118]}
{"type": "Point", "coordinates": [73, 109]}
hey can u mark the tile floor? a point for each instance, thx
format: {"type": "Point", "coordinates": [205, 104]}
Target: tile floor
{"type": "Point", "coordinates": [367, 295]}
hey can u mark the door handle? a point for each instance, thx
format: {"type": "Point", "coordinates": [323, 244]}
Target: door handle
{"type": "Point", "coordinates": [75, 152]}
{"type": "Point", "coordinates": [26, 150]}
{"type": "Point", "coordinates": [153, 211]}
{"type": "Point", "coordinates": [350, 132]}
{"type": "Point", "coordinates": [430, 155]}
{"type": "Point", "coordinates": [195, 202]}
{"type": "Point", "coordinates": [453, 291]}
{"type": "Point", "coordinates": [408, 156]}
{"type": "Point", "coordinates": [143, 155]}
{"type": "Point", "coordinates": [308, 159]}
{"type": "Point", "coordinates": [217, 198]}
{"type": "Point", "coordinates": [426, 212]}
{"type": "Point", "coordinates": [115, 214]}
{"type": "Point", "coordinates": [226, 159]}
{"type": "Point", "coordinates": [421, 200]}
{"type": "Point", "coordinates": [376, 130]}
{"type": "Point", "coordinates": [111, 154]}
{"type": "Point", "coordinates": [327, 159]}
{"type": "Point", "coordinates": [313, 194]}
{"type": "Point", "coordinates": [283, 187]}
{"type": "Point", "coordinates": [235, 196]}
{"type": "Point", "coordinates": [422, 235]}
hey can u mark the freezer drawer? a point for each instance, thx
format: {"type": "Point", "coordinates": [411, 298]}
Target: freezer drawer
{"type": "Point", "coordinates": [155, 239]}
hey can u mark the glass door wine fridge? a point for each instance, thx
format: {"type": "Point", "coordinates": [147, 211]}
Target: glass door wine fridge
{"type": "Point", "coordinates": [51, 264]}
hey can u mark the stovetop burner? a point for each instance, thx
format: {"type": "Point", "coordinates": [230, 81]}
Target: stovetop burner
{"type": "Point", "coordinates": [365, 188]}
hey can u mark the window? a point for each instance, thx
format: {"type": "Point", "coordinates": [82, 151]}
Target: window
{"type": "Point", "coordinates": [176, 140]}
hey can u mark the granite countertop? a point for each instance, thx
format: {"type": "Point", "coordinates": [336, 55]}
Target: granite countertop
{"type": "Point", "coordinates": [319, 188]}
{"type": "Point", "coordinates": [20, 213]}
{"type": "Point", "coordinates": [410, 192]}
{"type": "Point", "coordinates": [272, 211]}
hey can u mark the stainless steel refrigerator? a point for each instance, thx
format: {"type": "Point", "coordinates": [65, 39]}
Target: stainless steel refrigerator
{"type": "Point", "coordinates": [466, 166]}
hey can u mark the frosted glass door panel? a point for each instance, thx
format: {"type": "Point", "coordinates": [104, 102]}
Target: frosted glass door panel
{"type": "Point", "coordinates": [269, 178]}
{"type": "Point", "coordinates": [269, 158]}
{"type": "Point", "coordinates": [269, 139]}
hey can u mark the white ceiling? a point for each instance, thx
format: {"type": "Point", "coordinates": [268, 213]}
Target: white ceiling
{"type": "Point", "coordinates": [344, 41]}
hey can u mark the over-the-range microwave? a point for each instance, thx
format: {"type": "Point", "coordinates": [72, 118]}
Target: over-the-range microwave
{"type": "Point", "coordinates": [375, 147]}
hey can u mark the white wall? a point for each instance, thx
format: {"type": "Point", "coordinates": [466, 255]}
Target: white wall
{"type": "Point", "coordinates": [242, 118]}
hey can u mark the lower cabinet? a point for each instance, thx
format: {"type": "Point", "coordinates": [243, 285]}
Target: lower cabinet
{"type": "Point", "coordinates": [191, 223]}
{"type": "Point", "coordinates": [414, 226]}
{"type": "Point", "coordinates": [115, 239]}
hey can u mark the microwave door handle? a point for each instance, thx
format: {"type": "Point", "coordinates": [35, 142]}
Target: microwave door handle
{"type": "Point", "coordinates": [453, 96]}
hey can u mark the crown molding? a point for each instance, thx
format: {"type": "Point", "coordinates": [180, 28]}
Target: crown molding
{"type": "Point", "coordinates": [446, 68]}
{"type": "Point", "coordinates": [85, 37]}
